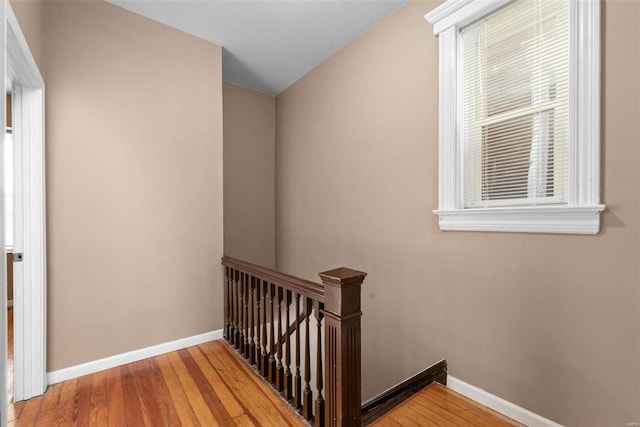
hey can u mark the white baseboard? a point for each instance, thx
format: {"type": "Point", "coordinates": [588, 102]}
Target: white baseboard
{"type": "Point", "coordinates": [498, 404]}
{"type": "Point", "coordinates": [60, 375]}
{"type": "Point", "coordinates": [10, 303]}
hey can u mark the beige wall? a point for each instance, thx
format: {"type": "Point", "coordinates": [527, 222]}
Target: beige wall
{"type": "Point", "coordinates": [549, 322]}
{"type": "Point", "coordinates": [30, 14]}
{"type": "Point", "coordinates": [134, 182]}
{"type": "Point", "coordinates": [249, 190]}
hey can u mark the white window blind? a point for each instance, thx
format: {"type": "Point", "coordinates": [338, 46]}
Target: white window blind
{"type": "Point", "coordinates": [515, 105]}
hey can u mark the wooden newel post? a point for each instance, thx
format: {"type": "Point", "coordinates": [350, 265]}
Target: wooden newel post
{"type": "Point", "coordinates": [342, 352]}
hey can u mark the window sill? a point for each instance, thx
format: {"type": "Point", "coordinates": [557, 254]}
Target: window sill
{"type": "Point", "coordinates": [529, 219]}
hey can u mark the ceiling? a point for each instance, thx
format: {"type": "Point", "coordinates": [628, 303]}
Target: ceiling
{"type": "Point", "coordinates": [268, 44]}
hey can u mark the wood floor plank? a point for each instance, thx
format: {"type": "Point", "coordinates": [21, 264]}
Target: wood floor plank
{"type": "Point", "coordinates": [262, 401]}
{"type": "Point", "coordinates": [243, 420]}
{"type": "Point", "coordinates": [80, 414]}
{"type": "Point", "coordinates": [504, 420]}
{"type": "Point", "coordinates": [464, 407]}
{"type": "Point", "coordinates": [468, 417]}
{"type": "Point", "coordinates": [426, 417]}
{"type": "Point", "coordinates": [65, 408]}
{"type": "Point", "coordinates": [53, 397]}
{"type": "Point", "coordinates": [435, 412]}
{"type": "Point", "coordinates": [45, 419]}
{"type": "Point", "coordinates": [49, 409]}
{"type": "Point", "coordinates": [233, 406]}
{"type": "Point", "coordinates": [276, 402]}
{"type": "Point", "coordinates": [200, 408]}
{"type": "Point", "coordinates": [208, 393]}
{"type": "Point", "coordinates": [166, 406]}
{"type": "Point", "coordinates": [181, 402]}
{"type": "Point", "coordinates": [146, 395]}
{"type": "Point", "coordinates": [115, 398]}
{"type": "Point", "coordinates": [99, 406]}
{"type": "Point", "coordinates": [30, 412]}
{"type": "Point", "coordinates": [387, 422]}
{"type": "Point", "coordinates": [497, 419]}
{"type": "Point", "coordinates": [132, 407]}
{"type": "Point", "coordinates": [438, 406]}
{"type": "Point", "coordinates": [277, 407]}
{"type": "Point", "coordinates": [252, 398]}
{"type": "Point", "coordinates": [404, 419]}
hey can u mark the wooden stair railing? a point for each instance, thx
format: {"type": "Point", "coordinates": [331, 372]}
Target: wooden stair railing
{"type": "Point", "coordinates": [259, 299]}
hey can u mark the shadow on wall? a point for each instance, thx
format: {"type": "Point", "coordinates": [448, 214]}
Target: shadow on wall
{"type": "Point", "coordinates": [234, 66]}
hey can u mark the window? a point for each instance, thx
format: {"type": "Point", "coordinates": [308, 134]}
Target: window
{"type": "Point", "coordinates": [519, 115]}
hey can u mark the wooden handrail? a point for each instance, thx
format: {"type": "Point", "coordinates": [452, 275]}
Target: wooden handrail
{"type": "Point", "coordinates": [256, 299]}
{"type": "Point", "coordinates": [305, 288]}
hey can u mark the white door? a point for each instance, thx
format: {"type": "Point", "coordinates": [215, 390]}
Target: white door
{"type": "Point", "coordinates": [29, 361]}
{"type": "Point", "coordinates": [29, 276]}
{"type": "Point", "coordinates": [18, 248]}
{"type": "Point", "coordinates": [3, 270]}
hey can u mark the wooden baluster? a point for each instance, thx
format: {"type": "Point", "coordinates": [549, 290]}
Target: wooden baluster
{"type": "Point", "coordinates": [272, 340]}
{"type": "Point", "coordinates": [256, 337]}
{"type": "Point", "coordinates": [288, 391]}
{"type": "Point", "coordinates": [245, 313]}
{"type": "Point", "coordinates": [342, 348]}
{"type": "Point", "coordinates": [240, 312]}
{"type": "Point", "coordinates": [256, 322]}
{"type": "Point", "coordinates": [297, 381]}
{"type": "Point", "coordinates": [307, 398]}
{"type": "Point", "coordinates": [238, 342]}
{"type": "Point", "coordinates": [264, 359]}
{"type": "Point", "coordinates": [226, 304]}
{"type": "Point", "coordinates": [232, 326]}
{"type": "Point", "coordinates": [319, 409]}
{"type": "Point", "coordinates": [279, 367]}
{"type": "Point", "coordinates": [251, 348]}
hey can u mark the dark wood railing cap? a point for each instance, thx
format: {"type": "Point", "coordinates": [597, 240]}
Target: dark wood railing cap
{"type": "Point", "coordinates": [342, 292]}
{"type": "Point", "coordinates": [342, 276]}
{"type": "Point", "coordinates": [304, 287]}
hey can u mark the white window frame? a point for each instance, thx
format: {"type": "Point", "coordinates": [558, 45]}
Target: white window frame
{"type": "Point", "coordinates": [581, 213]}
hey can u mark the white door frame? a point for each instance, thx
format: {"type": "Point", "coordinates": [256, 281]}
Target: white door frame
{"type": "Point", "coordinates": [3, 270]}
{"type": "Point", "coordinates": [30, 275]}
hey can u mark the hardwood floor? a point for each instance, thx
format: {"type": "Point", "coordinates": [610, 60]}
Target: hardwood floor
{"type": "Point", "coordinates": [208, 385]}
{"type": "Point", "coordinates": [205, 385]}
{"type": "Point", "coordinates": [436, 405]}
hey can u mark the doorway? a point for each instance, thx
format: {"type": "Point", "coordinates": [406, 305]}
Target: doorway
{"type": "Point", "coordinates": [29, 245]}
{"type": "Point", "coordinates": [8, 197]}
